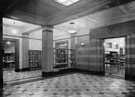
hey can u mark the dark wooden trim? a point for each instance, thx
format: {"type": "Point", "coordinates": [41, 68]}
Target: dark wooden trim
{"type": "Point", "coordinates": [16, 51]}
{"type": "Point", "coordinates": [113, 31]}
{"type": "Point", "coordinates": [71, 70]}
{"type": "Point", "coordinates": [61, 42]}
{"type": "Point", "coordinates": [1, 51]}
{"type": "Point", "coordinates": [130, 77]}
{"type": "Point", "coordinates": [23, 69]}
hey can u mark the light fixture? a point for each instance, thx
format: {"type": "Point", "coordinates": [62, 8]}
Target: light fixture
{"type": "Point", "coordinates": [8, 42]}
{"type": "Point", "coordinates": [14, 31]}
{"type": "Point", "coordinates": [66, 2]}
{"type": "Point", "coordinates": [82, 44]}
{"type": "Point", "coordinates": [72, 31]}
{"type": "Point", "coordinates": [72, 28]}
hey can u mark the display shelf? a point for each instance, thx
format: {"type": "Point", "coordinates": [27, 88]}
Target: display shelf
{"type": "Point", "coordinates": [35, 58]}
{"type": "Point", "coordinates": [9, 60]}
{"type": "Point", "coordinates": [64, 58]}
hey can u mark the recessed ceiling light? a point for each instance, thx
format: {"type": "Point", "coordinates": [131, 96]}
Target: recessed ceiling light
{"type": "Point", "coordinates": [66, 2]}
{"type": "Point", "coordinates": [8, 42]}
{"type": "Point", "coordinates": [72, 31]}
{"type": "Point", "coordinates": [14, 31]}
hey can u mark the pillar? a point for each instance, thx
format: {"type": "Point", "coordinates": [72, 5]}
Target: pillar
{"type": "Point", "coordinates": [73, 40]}
{"type": "Point", "coordinates": [47, 50]}
{"type": "Point", "coordinates": [73, 46]}
{"type": "Point", "coordinates": [1, 51]}
{"type": "Point", "coordinates": [25, 43]}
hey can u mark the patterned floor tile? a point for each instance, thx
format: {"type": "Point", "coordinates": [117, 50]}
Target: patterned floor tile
{"type": "Point", "coordinates": [73, 85]}
{"type": "Point", "coordinates": [10, 76]}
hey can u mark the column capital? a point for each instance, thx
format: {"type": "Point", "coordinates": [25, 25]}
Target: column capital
{"type": "Point", "coordinates": [47, 28]}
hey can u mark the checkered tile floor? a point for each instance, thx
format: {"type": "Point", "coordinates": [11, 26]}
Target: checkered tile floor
{"type": "Point", "coordinates": [11, 76]}
{"type": "Point", "coordinates": [73, 85]}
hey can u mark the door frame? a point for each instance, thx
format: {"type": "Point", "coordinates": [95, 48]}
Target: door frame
{"type": "Point", "coordinates": [104, 52]}
{"type": "Point", "coordinates": [17, 65]}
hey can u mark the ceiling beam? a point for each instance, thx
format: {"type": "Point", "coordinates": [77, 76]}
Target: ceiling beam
{"type": "Point", "coordinates": [25, 17]}
{"type": "Point", "coordinates": [33, 30]}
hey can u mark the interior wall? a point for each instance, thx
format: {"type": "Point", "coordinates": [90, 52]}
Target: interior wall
{"type": "Point", "coordinates": [82, 52]}
{"type": "Point", "coordinates": [59, 35]}
{"type": "Point", "coordinates": [35, 41]}
{"type": "Point", "coordinates": [90, 56]}
{"type": "Point", "coordinates": [36, 38]}
{"type": "Point", "coordinates": [8, 34]}
{"type": "Point", "coordinates": [9, 48]}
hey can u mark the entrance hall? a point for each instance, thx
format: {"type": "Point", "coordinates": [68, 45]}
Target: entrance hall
{"type": "Point", "coordinates": [67, 48]}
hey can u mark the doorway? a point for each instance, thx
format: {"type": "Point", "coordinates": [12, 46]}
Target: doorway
{"type": "Point", "coordinates": [10, 58]}
{"type": "Point", "coordinates": [9, 55]}
{"type": "Point", "coordinates": [114, 57]}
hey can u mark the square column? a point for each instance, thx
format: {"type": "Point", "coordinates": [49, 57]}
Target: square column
{"type": "Point", "coordinates": [25, 43]}
{"type": "Point", "coordinates": [1, 51]}
{"type": "Point", "coordinates": [47, 49]}
{"type": "Point", "coordinates": [73, 40]}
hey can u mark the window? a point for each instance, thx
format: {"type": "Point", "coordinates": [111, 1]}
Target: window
{"type": "Point", "coordinates": [109, 45]}
{"type": "Point", "coordinates": [116, 46]}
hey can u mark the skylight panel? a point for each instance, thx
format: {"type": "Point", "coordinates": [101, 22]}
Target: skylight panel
{"type": "Point", "coordinates": [66, 2]}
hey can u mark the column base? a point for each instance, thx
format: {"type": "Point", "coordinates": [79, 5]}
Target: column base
{"type": "Point", "coordinates": [130, 77]}
{"type": "Point", "coordinates": [71, 70]}
{"type": "Point", "coordinates": [22, 70]}
{"type": "Point", "coordinates": [1, 83]}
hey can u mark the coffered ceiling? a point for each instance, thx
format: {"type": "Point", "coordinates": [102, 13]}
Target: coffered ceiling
{"type": "Point", "coordinates": [49, 12]}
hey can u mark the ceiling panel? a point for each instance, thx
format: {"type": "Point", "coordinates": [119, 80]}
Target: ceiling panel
{"type": "Point", "coordinates": [107, 14]}
{"type": "Point", "coordinates": [10, 23]}
{"type": "Point", "coordinates": [103, 18]}
{"type": "Point", "coordinates": [36, 7]}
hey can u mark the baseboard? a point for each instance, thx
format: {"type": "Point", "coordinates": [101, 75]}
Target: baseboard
{"type": "Point", "coordinates": [71, 70]}
{"type": "Point", "coordinates": [22, 70]}
{"type": "Point", "coordinates": [1, 83]}
{"type": "Point", "coordinates": [57, 73]}
{"type": "Point", "coordinates": [90, 72]}
{"type": "Point", "coordinates": [129, 77]}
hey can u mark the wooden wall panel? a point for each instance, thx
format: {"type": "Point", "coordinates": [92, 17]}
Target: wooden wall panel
{"type": "Point", "coordinates": [96, 60]}
{"type": "Point", "coordinates": [117, 30]}
{"type": "Point", "coordinates": [130, 57]}
{"type": "Point", "coordinates": [82, 52]}
{"type": "Point", "coordinates": [1, 51]}
{"type": "Point", "coordinates": [90, 57]}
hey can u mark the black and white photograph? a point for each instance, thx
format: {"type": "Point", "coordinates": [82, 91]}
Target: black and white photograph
{"type": "Point", "coordinates": [67, 48]}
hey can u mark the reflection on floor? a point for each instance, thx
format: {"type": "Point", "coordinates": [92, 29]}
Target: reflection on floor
{"type": "Point", "coordinates": [115, 71]}
{"type": "Point", "coordinates": [11, 76]}
{"type": "Point", "coordinates": [73, 85]}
